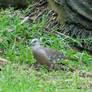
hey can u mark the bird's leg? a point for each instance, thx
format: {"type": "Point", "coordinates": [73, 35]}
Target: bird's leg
{"type": "Point", "coordinates": [36, 65]}
{"type": "Point", "coordinates": [52, 66]}
{"type": "Point", "coordinates": [55, 66]}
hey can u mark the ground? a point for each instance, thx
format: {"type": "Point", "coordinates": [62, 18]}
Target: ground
{"type": "Point", "coordinates": [18, 75]}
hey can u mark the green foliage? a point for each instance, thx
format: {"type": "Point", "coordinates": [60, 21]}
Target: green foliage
{"type": "Point", "coordinates": [17, 76]}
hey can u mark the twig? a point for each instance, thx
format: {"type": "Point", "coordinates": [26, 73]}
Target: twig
{"type": "Point", "coordinates": [43, 2]}
{"type": "Point", "coordinates": [40, 14]}
{"type": "Point", "coordinates": [24, 20]}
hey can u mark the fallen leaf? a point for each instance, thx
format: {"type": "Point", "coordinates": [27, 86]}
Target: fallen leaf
{"type": "Point", "coordinates": [67, 60]}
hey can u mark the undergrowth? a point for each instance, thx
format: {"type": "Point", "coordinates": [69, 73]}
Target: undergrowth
{"type": "Point", "coordinates": [17, 76]}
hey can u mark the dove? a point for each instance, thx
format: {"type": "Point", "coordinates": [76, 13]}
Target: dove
{"type": "Point", "coordinates": [44, 55]}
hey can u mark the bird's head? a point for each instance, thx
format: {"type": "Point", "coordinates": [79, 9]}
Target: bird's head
{"type": "Point", "coordinates": [35, 42]}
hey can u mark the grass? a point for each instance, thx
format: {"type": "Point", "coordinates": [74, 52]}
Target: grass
{"type": "Point", "coordinates": [18, 76]}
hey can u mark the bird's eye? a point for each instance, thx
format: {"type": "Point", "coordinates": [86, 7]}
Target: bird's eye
{"type": "Point", "coordinates": [34, 41]}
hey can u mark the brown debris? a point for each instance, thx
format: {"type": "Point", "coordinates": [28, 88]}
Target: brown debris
{"type": "Point", "coordinates": [3, 61]}
{"type": "Point", "coordinates": [24, 20]}
{"type": "Point", "coordinates": [86, 74]}
{"type": "Point", "coordinates": [18, 39]}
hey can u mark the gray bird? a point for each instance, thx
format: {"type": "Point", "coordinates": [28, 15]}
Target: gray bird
{"type": "Point", "coordinates": [46, 56]}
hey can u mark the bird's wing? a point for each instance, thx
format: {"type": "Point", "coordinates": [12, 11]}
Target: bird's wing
{"type": "Point", "coordinates": [53, 55]}
{"type": "Point", "coordinates": [41, 56]}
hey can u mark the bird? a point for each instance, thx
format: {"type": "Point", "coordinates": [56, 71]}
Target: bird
{"type": "Point", "coordinates": [46, 56]}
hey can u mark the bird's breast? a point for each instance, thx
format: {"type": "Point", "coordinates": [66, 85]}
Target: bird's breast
{"type": "Point", "coordinates": [41, 56]}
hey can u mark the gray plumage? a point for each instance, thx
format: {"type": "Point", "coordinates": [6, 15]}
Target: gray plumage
{"type": "Point", "coordinates": [45, 56]}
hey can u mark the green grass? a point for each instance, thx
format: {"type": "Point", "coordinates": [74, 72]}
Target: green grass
{"type": "Point", "coordinates": [17, 76]}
